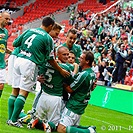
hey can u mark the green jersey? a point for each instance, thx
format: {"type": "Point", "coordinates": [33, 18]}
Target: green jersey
{"type": "Point", "coordinates": [3, 46]}
{"type": "Point", "coordinates": [16, 51]}
{"type": "Point", "coordinates": [81, 87]}
{"type": "Point", "coordinates": [54, 80]}
{"type": "Point", "coordinates": [77, 50]}
{"type": "Point", "coordinates": [36, 45]}
{"type": "Point", "coordinates": [70, 66]}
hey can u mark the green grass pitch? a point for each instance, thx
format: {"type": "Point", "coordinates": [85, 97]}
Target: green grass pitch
{"type": "Point", "coordinates": [105, 120]}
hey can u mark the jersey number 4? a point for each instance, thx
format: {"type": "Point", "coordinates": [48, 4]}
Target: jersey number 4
{"type": "Point", "coordinates": [29, 40]}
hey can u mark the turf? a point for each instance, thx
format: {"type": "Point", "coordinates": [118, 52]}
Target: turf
{"type": "Point", "coordinates": [105, 120]}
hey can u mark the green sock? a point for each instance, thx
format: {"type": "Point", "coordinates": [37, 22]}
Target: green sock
{"type": "Point", "coordinates": [72, 129]}
{"type": "Point", "coordinates": [11, 101]}
{"type": "Point", "coordinates": [39, 125]}
{"type": "Point", "coordinates": [22, 114]}
{"type": "Point", "coordinates": [0, 93]}
{"type": "Point", "coordinates": [18, 106]}
{"type": "Point", "coordinates": [83, 127]}
{"type": "Point", "coordinates": [52, 125]}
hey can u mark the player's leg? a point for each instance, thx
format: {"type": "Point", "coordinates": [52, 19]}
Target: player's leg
{"type": "Point", "coordinates": [69, 122]}
{"type": "Point", "coordinates": [16, 77]}
{"type": "Point", "coordinates": [37, 116]}
{"type": "Point", "coordinates": [72, 129]}
{"type": "Point", "coordinates": [1, 88]}
{"type": "Point", "coordinates": [26, 118]}
{"type": "Point", "coordinates": [27, 81]}
{"type": "Point", "coordinates": [19, 104]}
{"type": "Point", "coordinates": [54, 103]}
{"type": "Point", "coordinates": [11, 101]}
{"type": "Point", "coordinates": [2, 80]}
{"type": "Point", "coordinates": [11, 61]}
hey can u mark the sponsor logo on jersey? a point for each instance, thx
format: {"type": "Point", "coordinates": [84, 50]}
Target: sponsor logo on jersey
{"type": "Point", "coordinates": [2, 48]}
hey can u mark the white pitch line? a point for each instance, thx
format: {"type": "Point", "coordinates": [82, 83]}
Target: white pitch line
{"type": "Point", "coordinates": [103, 121]}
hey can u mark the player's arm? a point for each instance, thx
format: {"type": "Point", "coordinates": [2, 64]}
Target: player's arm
{"type": "Point", "coordinates": [8, 51]}
{"type": "Point", "coordinates": [76, 68]}
{"type": "Point", "coordinates": [94, 85]}
{"type": "Point", "coordinates": [67, 88]}
{"type": "Point", "coordinates": [54, 64]}
{"type": "Point", "coordinates": [17, 42]}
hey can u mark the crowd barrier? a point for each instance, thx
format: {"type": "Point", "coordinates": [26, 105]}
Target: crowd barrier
{"type": "Point", "coordinates": [113, 98]}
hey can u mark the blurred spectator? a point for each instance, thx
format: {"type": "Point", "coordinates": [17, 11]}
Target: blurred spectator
{"type": "Point", "coordinates": [102, 66]}
{"type": "Point", "coordinates": [95, 68]}
{"type": "Point", "coordinates": [72, 17]}
{"type": "Point", "coordinates": [107, 73]}
{"type": "Point", "coordinates": [131, 19]}
{"type": "Point", "coordinates": [83, 41]}
{"type": "Point", "coordinates": [129, 58]}
{"type": "Point", "coordinates": [121, 55]}
{"type": "Point", "coordinates": [110, 60]}
{"type": "Point", "coordinates": [97, 56]}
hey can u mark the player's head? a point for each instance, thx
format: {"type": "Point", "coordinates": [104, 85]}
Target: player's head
{"type": "Point", "coordinates": [47, 24]}
{"type": "Point", "coordinates": [71, 37]}
{"type": "Point", "coordinates": [62, 54]}
{"type": "Point", "coordinates": [71, 57]}
{"type": "Point", "coordinates": [4, 19]}
{"type": "Point", "coordinates": [86, 59]}
{"type": "Point", "coordinates": [55, 30]}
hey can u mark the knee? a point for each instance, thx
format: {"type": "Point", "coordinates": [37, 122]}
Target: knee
{"type": "Point", "coordinates": [1, 86]}
{"type": "Point", "coordinates": [61, 129]}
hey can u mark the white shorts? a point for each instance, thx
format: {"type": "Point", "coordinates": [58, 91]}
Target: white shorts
{"type": "Point", "coordinates": [69, 118]}
{"type": "Point", "coordinates": [48, 108]}
{"type": "Point", "coordinates": [2, 75]}
{"type": "Point", "coordinates": [25, 74]}
{"type": "Point", "coordinates": [11, 61]}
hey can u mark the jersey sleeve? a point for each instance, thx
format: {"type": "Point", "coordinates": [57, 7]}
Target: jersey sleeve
{"type": "Point", "coordinates": [80, 78]}
{"type": "Point", "coordinates": [17, 42]}
{"type": "Point", "coordinates": [50, 49]}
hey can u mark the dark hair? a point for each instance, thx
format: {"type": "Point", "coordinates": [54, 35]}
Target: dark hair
{"type": "Point", "coordinates": [71, 51]}
{"type": "Point", "coordinates": [47, 21]}
{"type": "Point", "coordinates": [111, 64]}
{"type": "Point", "coordinates": [73, 31]}
{"type": "Point", "coordinates": [89, 56]}
{"type": "Point", "coordinates": [56, 26]}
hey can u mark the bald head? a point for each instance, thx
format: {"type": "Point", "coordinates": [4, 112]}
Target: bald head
{"type": "Point", "coordinates": [4, 19]}
{"type": "Point", "coordinates": [63, 54]}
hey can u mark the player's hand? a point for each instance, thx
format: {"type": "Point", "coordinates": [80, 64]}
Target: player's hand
{"type": "Point", "coordinates": [94, 85]}
{"type": "Point", "coordinates": [75, 65]}
{"type": "Point", "coordinates": [41, 78]}
{"type": "Point", "coordinates": [65, 73]}
{"type": "Point", "coordinates": [58, 61]}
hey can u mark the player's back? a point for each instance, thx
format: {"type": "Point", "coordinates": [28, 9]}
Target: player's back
{"type": "Point", "coordinates": [36, 45]}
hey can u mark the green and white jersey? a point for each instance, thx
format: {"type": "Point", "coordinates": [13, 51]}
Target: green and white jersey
{"type": "Point", "coordinates": [36, 45]}
{"type": "Point", "coordinates": [81, 91]}
{"type": "Point", "coordinates": [77, 50]}
{"type": "Point", "coordinates": [54, 80]}
{"type": "Point", "coordinates": [3, 46]}
{"type": "Point", "coordinates": [16, 51]}
{"type": "Point", "coordinates": [70, 66]}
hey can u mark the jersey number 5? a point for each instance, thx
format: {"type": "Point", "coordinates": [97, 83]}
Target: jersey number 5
{"type": "Point", "coordinates": [49, 74]}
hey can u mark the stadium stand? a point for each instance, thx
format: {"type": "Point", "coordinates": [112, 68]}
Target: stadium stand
{"type": "Point", "coordinates": [33, 13]}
